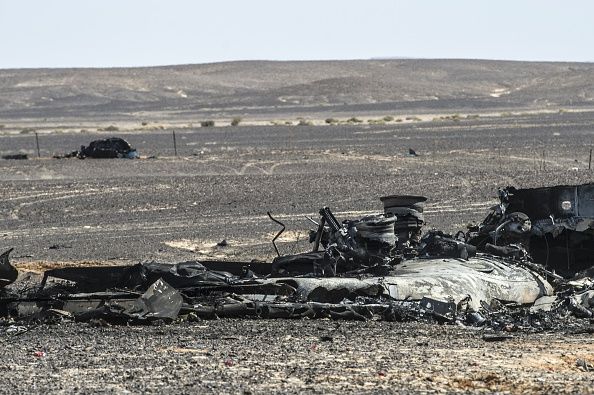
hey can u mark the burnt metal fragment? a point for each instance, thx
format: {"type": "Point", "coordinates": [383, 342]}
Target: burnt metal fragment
{"type": "Point", "coordinates": [438, 244]}
{"type": "Point", "coordinates": [554, 224]}
{"type": "Point", "coordinates": [445, 310]}
{"type": "Point", "coordinates": [496, 337]}
{"type": "Point", "coordinates": [366, 244]}
{"type": "Point", "coordinates": [159, 302]}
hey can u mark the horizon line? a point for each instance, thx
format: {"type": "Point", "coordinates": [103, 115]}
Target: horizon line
{"type": "Point", "coordinates": [378, 58]}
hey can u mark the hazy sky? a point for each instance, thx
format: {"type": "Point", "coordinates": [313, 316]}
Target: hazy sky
{"type": "Point", "coordinates": [67, 33]}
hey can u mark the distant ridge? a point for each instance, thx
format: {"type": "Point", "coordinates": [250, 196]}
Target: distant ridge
{"type": "Point", "coordinates": [269, 88]}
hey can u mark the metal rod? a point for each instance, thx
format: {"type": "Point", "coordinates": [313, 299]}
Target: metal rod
{"type": "Point", "coordinates": [590, 160]}
{"type": "Point", "coordinates": [498, 229]}
{"type": "Point", "coordinates": [319, 234]}
{"type": "Point", "coordinates": [278, 234]}
{"type": "Point", "coordinates": [312, 220]}
{"type": "Point", "coordinates": [174, 143]}
{"type": "Point", "coordinates": [37, 143]}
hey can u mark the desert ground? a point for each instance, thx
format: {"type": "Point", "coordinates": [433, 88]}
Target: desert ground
{"type": "Point", "coordinates": [475, 126]}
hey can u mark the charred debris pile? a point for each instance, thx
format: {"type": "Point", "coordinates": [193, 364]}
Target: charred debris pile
{"type": "Point", "coordinates": [109, 148]}
{"type": "Point", "coordinates": [527, 266]}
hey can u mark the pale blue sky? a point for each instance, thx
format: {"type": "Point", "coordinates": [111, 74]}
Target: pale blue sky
{"type": "Point", "coordinates": [68, 33]}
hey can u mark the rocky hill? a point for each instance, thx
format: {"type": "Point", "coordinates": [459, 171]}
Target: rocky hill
{"type": "Point", "coordinates": [268, 89]}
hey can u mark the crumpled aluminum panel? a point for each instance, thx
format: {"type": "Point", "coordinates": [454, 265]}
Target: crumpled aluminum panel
{"type": "Point", "coordinates": [480, 279]}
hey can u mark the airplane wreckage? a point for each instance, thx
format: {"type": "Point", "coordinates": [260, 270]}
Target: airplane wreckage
{"type": "Point", "coordinates": [109, 148]}
{"type": "Point", "coordinates": [526, 266]}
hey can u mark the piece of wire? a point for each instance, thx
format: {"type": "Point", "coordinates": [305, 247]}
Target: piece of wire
{"type": "Point", "coordinates": [278, 234]}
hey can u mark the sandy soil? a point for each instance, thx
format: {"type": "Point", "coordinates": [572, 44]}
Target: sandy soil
{"type": "Point", "coordinates": [300, 356]}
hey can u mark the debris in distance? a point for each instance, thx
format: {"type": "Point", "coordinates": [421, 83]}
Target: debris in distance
{"type": "Point", "coordinates": [223, 243]}
{"type": "Point", "coordinates": [109, 148]}
{"type": "Point", "coordinates": [15, 157]}
{"type": "Point", "coordinates": [58, 246]}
